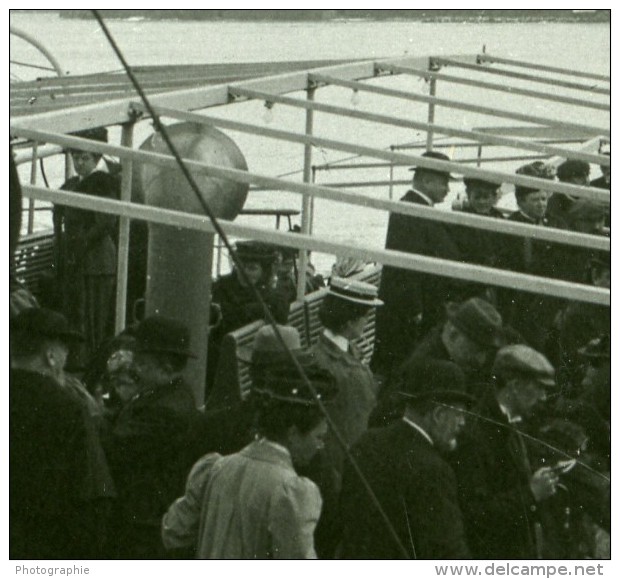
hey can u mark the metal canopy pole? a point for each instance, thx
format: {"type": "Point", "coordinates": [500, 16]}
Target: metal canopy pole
{"type": "Point", "coordinates": [33, 181]}
{"type": "Point", "coordinates": [122, 266]}
{"type": "Point", "coordinates": [306, 207]}
{"type": "Point", "coordinates": [431, 114]}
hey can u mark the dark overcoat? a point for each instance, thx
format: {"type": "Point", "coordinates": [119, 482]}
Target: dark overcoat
{"type": "Point", "coordinates": [417, 490]}
{"type": "Point", "coordinates": [493, 471]}
{"type": "Point", "coordinates": [147, 450]}
{"type": "Point", "coordinates": [85, 248]}
{"type": "Point", "coordinates": [48, 466]}
{"type": "Point", "coordinates": [414, 302]}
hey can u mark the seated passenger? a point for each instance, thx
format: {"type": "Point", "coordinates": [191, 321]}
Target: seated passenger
{"type": "Point", "coordinates": [531, 202]}
{"type": "Point", "coordinates": [237, 301]}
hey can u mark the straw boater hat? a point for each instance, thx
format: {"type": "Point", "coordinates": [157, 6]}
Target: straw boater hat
{"type": "Point", "coordinates": [353, 290]}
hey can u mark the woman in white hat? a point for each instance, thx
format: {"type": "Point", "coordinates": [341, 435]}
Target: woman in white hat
{"type": "Point", "coordinates": [344, 314]}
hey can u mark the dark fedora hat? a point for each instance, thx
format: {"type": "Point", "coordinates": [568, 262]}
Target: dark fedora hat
{"type": "Point", "coordinates": [159, 334]}
{"type": "Point", "coordinates": [478, 320]}
{"type": "Point", "coordinates": [433, 380]}
{"type": "Point", "coordinates": [439, 157]}
{"type": "Point", "coordinates": [282, 382]}
{"type": "Point", "coordinates": [44, 323]}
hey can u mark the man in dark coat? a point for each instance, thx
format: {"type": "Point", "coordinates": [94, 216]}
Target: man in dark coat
{"type": "Point", "coordinates": [149, 438]}
{"type": "Point", "coordinates": [499, 493]}
{"type": "Point", "coordinates": [571, 171]}
{"type": "Point", "coordinates": [414, 302]}
{"type": "Point", "coordinates": [86, 251]}
{"type": "Point", "coordinates": [413, 483]}
{"type": "Point", "coordinates": [477, 245]}
{"type": "Point", "coordinates": [51, 510]}
{"type": "Point", "coordinates": [469, 338]}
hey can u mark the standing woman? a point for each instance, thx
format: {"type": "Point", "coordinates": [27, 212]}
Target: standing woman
{"type": "Point", "coordinates": [344, 314]}
{"type": "Point", "coordinates": [86, 250]}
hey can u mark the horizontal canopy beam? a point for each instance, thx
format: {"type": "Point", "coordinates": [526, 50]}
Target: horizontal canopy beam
{"type": "Point", "coordinates": [395, 68]}
{"type": "Point", "coordinates": [435, 266]}
{"type": "Point", "coordinates": [520, 75]}
{"type": "Point", "coordinates": [332, 194]}
{"type": "Point", "coordinates": [452, 104]}
{"type": "Point", "coordinates": [534, 66]}
{"type": "Point", "coordinates": [483, 138]}
{"type": "Point", "coordinates": [593, 193]}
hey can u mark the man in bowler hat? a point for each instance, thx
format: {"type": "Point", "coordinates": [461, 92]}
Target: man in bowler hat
{"type": "Point", "coordinates": [499, 489]}
{"type": "Point", "coordinates": [414, 301]}
{"type": "Point", "coordinates": [150, 435]}
{"type": "Point", "coordinates": [404, 465]}
{"type": "Point", "coordinates": [51, 514]}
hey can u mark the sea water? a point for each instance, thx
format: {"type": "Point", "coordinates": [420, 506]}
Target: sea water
{"type": "Point", "coordinates": [81, 48]}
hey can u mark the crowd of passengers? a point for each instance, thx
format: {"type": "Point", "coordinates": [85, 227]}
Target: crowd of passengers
{"type": "Point", "coordinates": [479, 429]}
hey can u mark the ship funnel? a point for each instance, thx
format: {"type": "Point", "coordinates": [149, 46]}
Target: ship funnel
{"type": "Point", "coordinates": [179, 263]}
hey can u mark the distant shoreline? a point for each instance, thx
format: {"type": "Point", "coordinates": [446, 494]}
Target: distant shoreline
{"type": "Point", "coordinates": [284, 16]}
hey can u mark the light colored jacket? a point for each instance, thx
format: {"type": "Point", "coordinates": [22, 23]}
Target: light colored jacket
{"type": "Point", "coordinates": [249, 505]}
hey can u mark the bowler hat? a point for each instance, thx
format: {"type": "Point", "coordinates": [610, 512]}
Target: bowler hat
{"type": "Point", "coordinates": [44, 323]}
{"type": "Point", "coordinates": [282, 382]}
{"type": "Point", "coordinates": [523, 360]}
{"type": "Point", "coordinates": [256, 251]}
{"type": "Point", "coordinates": [573, 168]}
{"type": "Point", "coordinates": [478, 320]}
{"type": "Point", "coordinates": [434, 380]}
{"type": "Point", "coordinates": [476, 183]}
{"type": "Point", "coordinates": [159, 334]}
{"type": "Point", "coordinates": [439, 157]}
{"type": "Point", "coordinates": [353, 290]}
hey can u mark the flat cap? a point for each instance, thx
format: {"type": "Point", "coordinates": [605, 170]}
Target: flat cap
{"type": "Point", "coordinates": [521, 359]}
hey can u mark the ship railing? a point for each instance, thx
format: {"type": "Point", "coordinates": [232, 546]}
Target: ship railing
{"type": "Point", "coordinates": [49, 128]}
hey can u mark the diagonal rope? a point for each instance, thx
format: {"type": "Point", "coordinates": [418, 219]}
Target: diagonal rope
{"type": "Point", "coordinates": [269, 317]}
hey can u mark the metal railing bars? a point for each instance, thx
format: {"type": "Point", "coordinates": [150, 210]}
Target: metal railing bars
{"type": "Point", "coordinates": [534, 66]}
{"type": "Point", "coordinates": [483, 138]}
{"type": "Point", "coordinates": [426, 74]}
{"type": "Point", "coordinates": [550, 186]}
{"type": "Point", "coordinates": [519, 75]}
{"type": "Point", "coordinates": [512, 228]}
{"type": "Point", "coordinates": [436, 266]}
{"type": "Point", "coordinates": [500, 113]}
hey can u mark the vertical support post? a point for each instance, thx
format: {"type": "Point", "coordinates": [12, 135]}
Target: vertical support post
{"type": "Point", "coordinates": [391, 189]}
{"type": "Point", "coordinates": [122, 266]}
{"type": "Point", "coordinates": [431, 114]}
{"type": "Point", "coordinates": [33, 181]}
{"type": "Point", "coordinates": [305, 203]}
{"type": "Point", "coordinates": [312, 202]}
{"type": "Point", "coordinates": [479, 156]}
